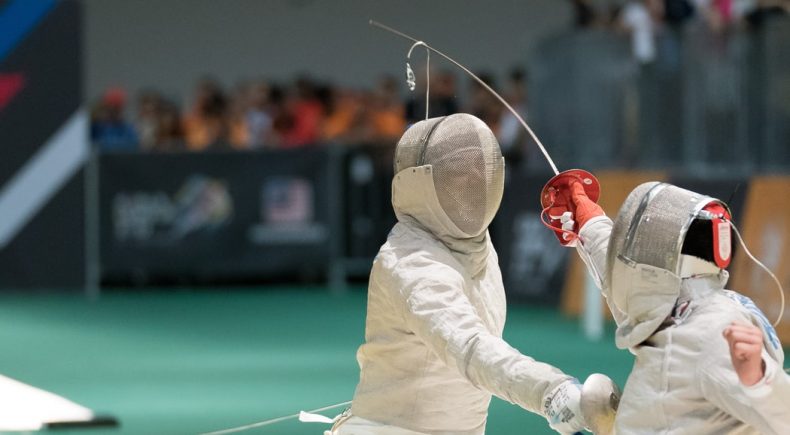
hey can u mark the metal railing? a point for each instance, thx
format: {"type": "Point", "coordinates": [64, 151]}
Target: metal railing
{"type": "Point", "coordinates": [710, 102]}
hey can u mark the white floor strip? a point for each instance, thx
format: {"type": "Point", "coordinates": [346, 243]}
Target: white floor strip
{"type": "Point", "coordinates": [26, 408]}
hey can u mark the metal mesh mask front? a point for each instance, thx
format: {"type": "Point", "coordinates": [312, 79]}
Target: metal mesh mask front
{"type": "Point", "coordinates": [652, 224]}
{"type": "Point", "coordinates": [468, 169]}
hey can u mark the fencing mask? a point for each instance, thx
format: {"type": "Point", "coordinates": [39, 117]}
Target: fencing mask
{"type": "Point", "coordinates": [449, 175]}
{"type": "Point", "coordinates": [646, 248]}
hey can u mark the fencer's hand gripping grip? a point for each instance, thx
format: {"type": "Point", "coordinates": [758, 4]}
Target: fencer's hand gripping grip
{"type": "Point", "coordinates": [599, 403]}
{"type": "Point", "coordinates": [564, 225]}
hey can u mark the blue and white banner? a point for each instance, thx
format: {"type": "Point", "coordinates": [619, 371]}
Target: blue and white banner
{"type": "Point", "coordinates": [43, 145]}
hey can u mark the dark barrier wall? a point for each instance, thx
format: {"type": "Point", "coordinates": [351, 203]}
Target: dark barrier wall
{"type": "Point", "coordinates": [367, 215]}
{"type": "Point", "coordinates": [317, 213]}
{"type": "Point", "coordinates": [533, 262]}
{"type": "Point", "coordinates": [247, 217]}
{"type": "Point", "coordinates": [215, 217]}
{"type": "Point", "coordinates": [41, 188]}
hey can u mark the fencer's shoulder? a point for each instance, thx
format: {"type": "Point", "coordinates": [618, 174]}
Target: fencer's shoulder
{"type": "Point", "coordinates": [733, 306]}
{"type": "Point", "coordinates": [709, 319]}
{"type": "Point", "coordinates": [720, 309]}
{"type": "Point", "coordinates": [755, 315]}
{"type": "Point", "coordinates": [410, 249]}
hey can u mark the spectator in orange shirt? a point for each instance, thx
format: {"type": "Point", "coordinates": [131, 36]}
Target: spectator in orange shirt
{"type": "Point", "coordinates": [238, 129]}
{"type": "Point", "coordinates": [387, 113]}
{"type": "Point", "coordinates": [343, 116]}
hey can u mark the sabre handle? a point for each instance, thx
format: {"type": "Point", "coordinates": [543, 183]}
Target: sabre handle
{"type": "Point", "coordinates": [563, 224]}
{"type": "Point", "coordinates": [568, 200]}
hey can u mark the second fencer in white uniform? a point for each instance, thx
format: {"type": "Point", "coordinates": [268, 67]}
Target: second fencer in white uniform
{"type": "Point", "coordinates": [661, 266]}
{"type": "Point", "coordinates": [433, 354]}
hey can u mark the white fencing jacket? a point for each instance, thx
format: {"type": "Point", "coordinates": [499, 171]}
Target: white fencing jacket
{"type": "Point", "coordinates": [433, 352]}
{"type": "Point", "coordinates": [683, 381]}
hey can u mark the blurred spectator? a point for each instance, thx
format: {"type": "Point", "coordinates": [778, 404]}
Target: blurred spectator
{"type": "Point", "coordinates": [169, 134]}
{"type": "Point", "coordinates": [259, 118]}
{"type": "Point", "coordinates": [483, 104]}
{"type": "Point", "coordinates": [584, 14]}
{"type": "Point", "coordinates": [765, 10]}
{"type": "Point", "coordinates": [238, 129]}
{"type": "Point", "coordinates": [511, 135]}
{"type": "Point", "coordinates": [445, 101]}
{"type": "Point", "coordinates": [613, 11]}
{"type": "Point", "coordinates": [718, 14]}
{"type": "Point", "coordinates": [442, 98]}
{"type": "Point", "coordinates": [343, 109]}
{"type": "Point", "coordinates": [148, 106]}
{"type": "Point", "coordinates": [158, 123]}
{"type": "Point", "coordinates": [642, 19]}
{"type": "Point", "coordinates": [678, 12]}
{"type": "Point", "coordinates": [282, 119]}
{"type": "Point", "coordinates": [205, 126]}
{"type": "Point", "coordinates": [386, 112]}
{"type": "Point", "coordinates": [108, 128]}
{"type": "Point", "coordinates": [723, 15]}
{"type": "Point", "coordinates": [306, 115]}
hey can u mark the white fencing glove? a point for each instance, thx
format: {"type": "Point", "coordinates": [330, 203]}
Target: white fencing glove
{"type": "Point", "coordinates": [600, 400]}
{"type": "Point", "coordinates": [562, 407]}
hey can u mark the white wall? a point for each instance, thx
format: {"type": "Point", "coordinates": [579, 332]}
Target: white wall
{"type": "Point", "coordinates": [168, 44]}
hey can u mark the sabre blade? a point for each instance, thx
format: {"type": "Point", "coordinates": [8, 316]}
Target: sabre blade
{"type": "Point", "coordinates": [479, 81]}
{"type": "Point", "coordinates": [273, 420]}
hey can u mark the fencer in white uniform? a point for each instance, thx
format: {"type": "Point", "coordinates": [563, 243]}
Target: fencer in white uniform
{"type": "Point", "coordinates": [661, 266]}
{"type": "Point", "coordinates": [433, 354]}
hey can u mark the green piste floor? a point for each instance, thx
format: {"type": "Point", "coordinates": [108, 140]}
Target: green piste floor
{"type": "Point", "coordinates": [186, 362]}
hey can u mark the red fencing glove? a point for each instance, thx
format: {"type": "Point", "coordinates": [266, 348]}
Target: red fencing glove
{"type": "Point", "coordinates": [562, 203]}
{"type": "Point", "coordinates": [586, 209]}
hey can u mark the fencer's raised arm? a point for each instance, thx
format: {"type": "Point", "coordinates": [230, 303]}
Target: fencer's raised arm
{"type": "Point", "coordinates": [569, 212]}
{"type": "Point", "coordinates": [595, 230]}
{"type": "Point", "coordinates": [592, 247]}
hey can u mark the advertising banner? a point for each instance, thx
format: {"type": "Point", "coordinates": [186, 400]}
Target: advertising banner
{"type": "Point", "coordinates": [214, 217]}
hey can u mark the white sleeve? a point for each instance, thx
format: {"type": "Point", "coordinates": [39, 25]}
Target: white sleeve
{"type": "Point", "coordinates": [437, 311]}
{"type": "Point", "coordinates": [592, 248]}
{"type": "Point", "coordinates": [764, 406]}
{"type": "Point", "coordinates": [770, 397]}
